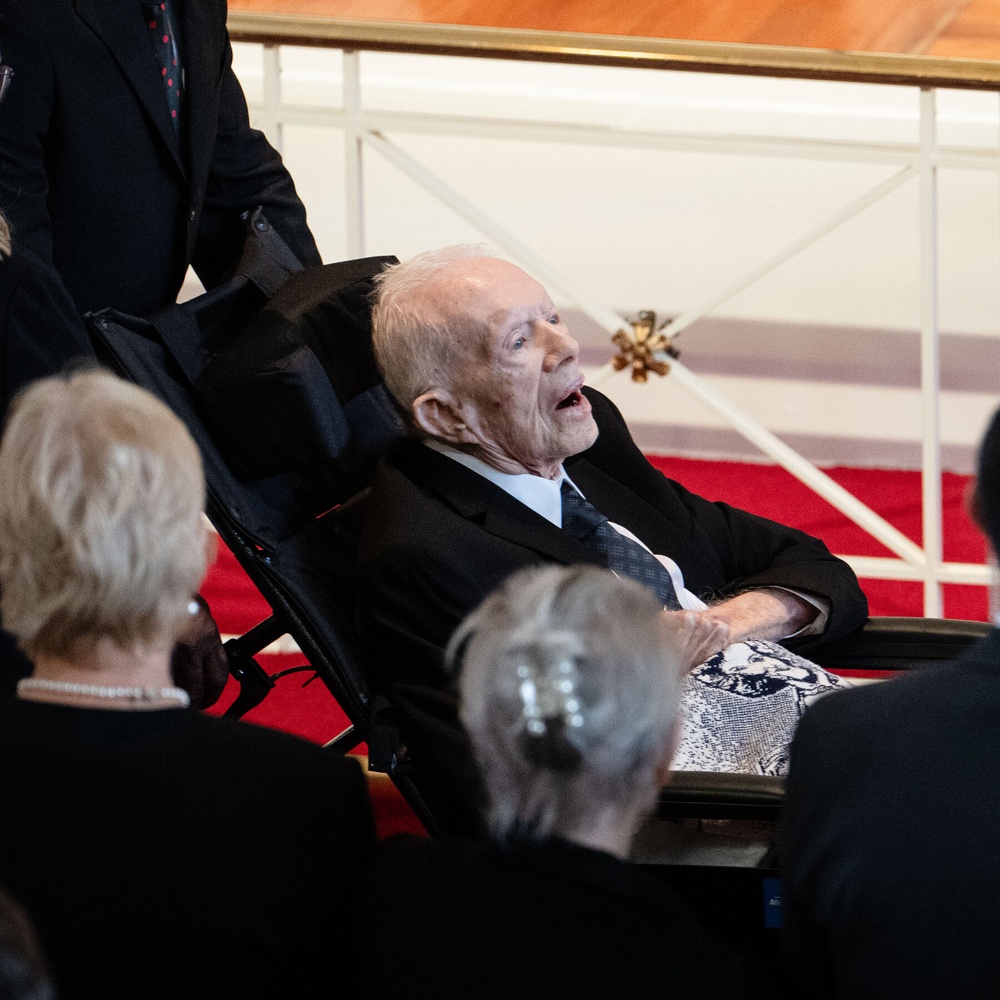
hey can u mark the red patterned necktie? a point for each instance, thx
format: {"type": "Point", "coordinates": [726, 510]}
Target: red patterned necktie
{"type": "Point", "coordinates": [164, 38]}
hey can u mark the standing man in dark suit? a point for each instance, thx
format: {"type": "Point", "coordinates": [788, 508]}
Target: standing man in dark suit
{"type": "Point", "coordinates": [126, 154]}
{"type": "Point", "coordinates": [892, 878]}
{"type": "Point", "coordinates": [488, 377]}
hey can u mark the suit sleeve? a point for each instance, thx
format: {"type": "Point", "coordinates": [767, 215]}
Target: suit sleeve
{"type": "Point", "coordinates": [409, 604]}
{"type": "Point", "coordinates": [246, 171]}
{"type": "Point", "coordinates": [42, 329]}
{"type": "Point", "coordinates": [756, 552]}
{"type": "Point", "coordinates": [806, 839]}
{"type": "Point", "coordinates": [24, 125]}
{"type": "Point", "coordinates": [727, 550]}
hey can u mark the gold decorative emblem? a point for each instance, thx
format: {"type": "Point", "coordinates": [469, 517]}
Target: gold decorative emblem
{"type": "Point", "coordinates": [639, 350]}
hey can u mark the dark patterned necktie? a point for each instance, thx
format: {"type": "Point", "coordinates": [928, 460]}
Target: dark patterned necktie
{"type": "Point", "coordinates": [582, 520]}
{"type": "Point", "coordinates": [164, 38]}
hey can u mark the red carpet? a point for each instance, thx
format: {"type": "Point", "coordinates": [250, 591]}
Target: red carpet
{"type": "Point", "coordinates": [773, 492]}
{"type": "Point", "coordinates": [307, 709]}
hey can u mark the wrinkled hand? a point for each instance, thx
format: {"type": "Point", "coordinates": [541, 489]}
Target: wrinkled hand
{"type": "Point", "coordinates": [698, 635]}
{"type": "Point", "coordinates": [199, 663]}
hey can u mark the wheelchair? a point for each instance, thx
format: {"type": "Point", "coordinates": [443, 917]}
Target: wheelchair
{"type": "Point", "coordinates": [273, 374]}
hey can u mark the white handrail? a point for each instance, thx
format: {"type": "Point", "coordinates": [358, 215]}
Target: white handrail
{"type": "Point", "coordinates": [930, 356]}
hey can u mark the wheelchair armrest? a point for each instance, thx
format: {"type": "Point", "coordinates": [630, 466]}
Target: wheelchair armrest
{"type": "Point", "coordinates": [713, 795]}
{"type": "Point", "coordinates": [888, 643]}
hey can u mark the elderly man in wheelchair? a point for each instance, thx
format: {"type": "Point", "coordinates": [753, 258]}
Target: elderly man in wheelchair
{"type": "Point", "coordinates": [510, 462]}
{"type": "Point", "coordinates": [275, 377]}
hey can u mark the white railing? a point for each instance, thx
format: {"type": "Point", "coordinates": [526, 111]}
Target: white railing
{"type": "Point", "coordinates": [370, 129]}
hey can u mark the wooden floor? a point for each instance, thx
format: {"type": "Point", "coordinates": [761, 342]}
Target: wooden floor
{"type": "Point", "coordinates": [968, 29]}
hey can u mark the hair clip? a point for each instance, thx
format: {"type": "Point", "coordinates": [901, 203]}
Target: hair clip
{"type": "Point", "coordinates": [549, 696]}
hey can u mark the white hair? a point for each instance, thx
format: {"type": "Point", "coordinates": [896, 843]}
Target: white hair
{"type": "Point", "coordinates": [417, 327]}
{"type": "Point", "coordinates": [101, 536]}
{"type": "Point", "coordinates": [569, 690]}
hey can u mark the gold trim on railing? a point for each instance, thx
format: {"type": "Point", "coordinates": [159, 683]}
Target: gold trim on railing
{"type": "Point", "coordinates": [614, 50]}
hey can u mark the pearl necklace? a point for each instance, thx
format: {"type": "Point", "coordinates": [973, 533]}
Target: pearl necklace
{"type": "Point", "coordinates": [97, 691]}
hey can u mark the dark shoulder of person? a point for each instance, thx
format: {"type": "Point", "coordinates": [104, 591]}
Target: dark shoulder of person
{"type": "Point", "coordinates": [267, 754]}
{"type": "Point", "coordinates": [537, 919]}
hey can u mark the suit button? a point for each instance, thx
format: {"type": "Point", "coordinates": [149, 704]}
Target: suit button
{"type": "Point", "coordinates": [191, 215]}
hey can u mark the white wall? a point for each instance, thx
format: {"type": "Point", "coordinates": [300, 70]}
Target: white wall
{"type": "Point", "coordinates": [823, 351]}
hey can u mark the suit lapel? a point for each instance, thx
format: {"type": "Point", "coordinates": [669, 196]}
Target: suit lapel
{"type": "Point", "coordinates": [509, 519]}
{"type": "Point", "coordinates": [119, 24]}
{"type": "Point", "coordinates": [495, 511]}
{"type": "Point", "coordinates": [666, 531]}
{"type": "Point", "coordinates": [202, 60]}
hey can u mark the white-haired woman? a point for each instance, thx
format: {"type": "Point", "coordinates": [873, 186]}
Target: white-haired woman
{"type": "Point", "coordinates": [161, 853]}
{"type": "Point", "coordinates": [569, 691]}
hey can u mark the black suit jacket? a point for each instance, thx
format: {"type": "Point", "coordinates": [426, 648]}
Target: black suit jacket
{"type": "Point", "coordinates": [892, 874]}
{"type": "Point", "coordinates": [165, 854]}
{"type": "Point", "coordinates": [439, 538]}
{"type": "Point", "coordinates": [534, 919]}
{"type": "Point", "coordinates": [106, 202]}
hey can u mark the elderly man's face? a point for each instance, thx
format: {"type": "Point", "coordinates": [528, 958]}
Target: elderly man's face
{"type": "Point", "coordinates": [516, 384]}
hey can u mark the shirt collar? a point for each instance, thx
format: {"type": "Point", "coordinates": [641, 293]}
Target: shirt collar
{"type": "Point", "coordinates": [541, 495]}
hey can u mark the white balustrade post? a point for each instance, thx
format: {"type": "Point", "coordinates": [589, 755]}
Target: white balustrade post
{"type": "Point", "coordinates": [930, 361]}
{"type": "Point", "coordinates": [271, 124]}
{"type": "Point", "coordinates": [354, 191]}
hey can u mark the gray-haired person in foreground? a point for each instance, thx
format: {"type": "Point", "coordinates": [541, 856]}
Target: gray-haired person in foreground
{"type": "Point", "coordinates": [569, 692]}
{"type": "Point", "coordinates": [159, 852]}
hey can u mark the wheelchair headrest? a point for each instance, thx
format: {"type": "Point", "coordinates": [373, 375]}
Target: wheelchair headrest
{"type": "Point", "coordinates": [297, 387]}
